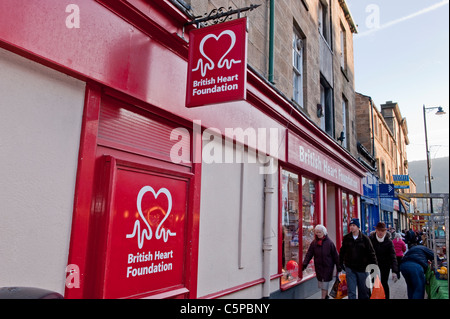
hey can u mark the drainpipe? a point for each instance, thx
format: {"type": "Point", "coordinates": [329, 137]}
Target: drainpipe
{"type": "Point", "coordinates": [267, 236]}
{"type": "Point", "coordinates": [271, 39]}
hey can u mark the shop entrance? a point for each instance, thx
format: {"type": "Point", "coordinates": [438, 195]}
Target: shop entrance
{"type": "Point", "coordinates": [331, 212]}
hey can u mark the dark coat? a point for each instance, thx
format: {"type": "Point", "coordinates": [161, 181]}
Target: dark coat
{"type": "Point", "coordinates": [357, 253]}
{"type": "Point", "coordinates": [325, 257]}
{"type": "Point", "coordinates": [385, 252]}
{"type": "Point", "coordinates": [419, 255]}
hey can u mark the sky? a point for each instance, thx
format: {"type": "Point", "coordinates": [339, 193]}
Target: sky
{"type": "Point", "coordinates": [401, 54]}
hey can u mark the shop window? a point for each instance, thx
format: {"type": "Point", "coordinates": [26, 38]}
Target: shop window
{"type": "Point", "coordinates": [297, 228]}
{"type": "Point", "coordinates": [348, 211]}
{"type": "Point", "coordinates": [290, 227]}
{"type": "Point", "coordinates": [308, 219]}
{"type": "Point", "coordinates": [344, 213]}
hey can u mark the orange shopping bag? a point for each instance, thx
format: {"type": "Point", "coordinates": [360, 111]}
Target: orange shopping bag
{"type": "Point", "coordinates": [342, 289]}
{"type": "Point", "coordinates": [378, 290]}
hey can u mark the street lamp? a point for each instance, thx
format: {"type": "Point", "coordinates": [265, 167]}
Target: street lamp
{"type": "Point", "coordinates": [440, 111]}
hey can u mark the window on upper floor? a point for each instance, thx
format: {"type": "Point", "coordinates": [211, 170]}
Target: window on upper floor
{"type": "Point", "coordinates": [297, 63]}
{"type": "Point", "coordinates": [343, 48]}
{"type": "Point", "coordinates": [345, 121]}
{"type": "Point", "coordinates": [326, 103]}
{"type": "Point", "coordinates": [383, 172]}
{"type": "Point", "coordinates": [323, 20]}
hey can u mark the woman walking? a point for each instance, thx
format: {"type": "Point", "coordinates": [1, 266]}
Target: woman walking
{"type": "Point", "coordinates": [400, 248]}
{"type": "Point", "coordinates": [325, 255]}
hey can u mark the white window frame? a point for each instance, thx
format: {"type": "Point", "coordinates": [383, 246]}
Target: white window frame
{"type": "Point", "coordinates": [322, 102]}
{"type": "Point", "coordinates": [324, 21]}
{"type": "Point", "coordinates": [343, 51]}
{"type": "Point", "coordinates": [297, 66]}
{"type": "Point", "coordinates": [344, 121]}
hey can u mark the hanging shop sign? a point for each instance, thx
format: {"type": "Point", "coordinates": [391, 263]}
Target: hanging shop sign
{"type": "Point", "coordinates": [217, 64]}
{"type": "Point", "coordinates": [387, 190]}
{"type": "Point", "coordinates": [310, 158]}
{"type": "Point", "coordinates": [401, 181]}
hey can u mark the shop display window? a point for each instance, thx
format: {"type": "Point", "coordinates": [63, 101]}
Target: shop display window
{"type": "Point", "coordinates": [290, 227]}
{"type": "Point", "coordinates": [345, 219]}
{"type": "Point", "coordinates": [297, 228]}
{"type": "Point", "coordinates": [348, 211]}
{"type": "Point", "coordinates": [308, 219]}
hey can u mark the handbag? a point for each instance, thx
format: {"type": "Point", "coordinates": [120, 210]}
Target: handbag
{"type": "Point", "coordinates": [378, 290]}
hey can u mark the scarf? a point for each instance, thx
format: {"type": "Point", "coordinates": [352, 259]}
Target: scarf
{"type": "Point", "coordinates": [380, 240]}
{"type": "Point", "coordinates": [319, 240]}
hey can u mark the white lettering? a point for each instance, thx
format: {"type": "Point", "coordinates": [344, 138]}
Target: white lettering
{"type": "Point", "coordinates": [73, 19]}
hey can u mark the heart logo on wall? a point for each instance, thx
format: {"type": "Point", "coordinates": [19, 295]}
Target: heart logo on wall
{"type": "Point", "coordinates": [146, 232]}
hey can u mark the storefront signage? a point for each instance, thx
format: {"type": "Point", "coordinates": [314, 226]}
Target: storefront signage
{"type": "Point", "coordinates": [146, 237]}
{"type": "Point", "coordinates": [310, 158]}
{"type": "Point", "coordinates": [217, 64]}
{"type": "Point", "coordinates": [387, 190]}
{"type": "Point", "coordinates": [401, 181]}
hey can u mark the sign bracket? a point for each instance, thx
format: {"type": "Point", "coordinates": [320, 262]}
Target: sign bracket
{"type": "Point", "coordinates": [219, 15]}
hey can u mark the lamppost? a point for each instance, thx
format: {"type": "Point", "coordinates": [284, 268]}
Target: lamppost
{"type": "Point", "coordinates": [440, 111]}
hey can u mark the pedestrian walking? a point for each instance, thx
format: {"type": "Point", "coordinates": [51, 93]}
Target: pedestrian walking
{"type": "Point", "coordinates": [355, 255]}
{"type": "Point", "coordinates": [386, 258]}
{"type": "Point", "coordinates": [400, 248]}
{"type": "Point", "coordinates": [413, 268]}
{"type": "Point", "coordinates": [325, 255]}
{"type": "Point", "coordinates": [410, 238]}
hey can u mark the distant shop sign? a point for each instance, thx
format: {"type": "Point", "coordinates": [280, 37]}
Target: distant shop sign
{"type": "Point", "coordinates": [401, 181]}
{"type": "Point", "coordinates": [386, 190]}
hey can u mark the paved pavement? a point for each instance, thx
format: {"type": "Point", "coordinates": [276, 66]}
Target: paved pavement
{"type": "Point", "coordinates": [397, 290]}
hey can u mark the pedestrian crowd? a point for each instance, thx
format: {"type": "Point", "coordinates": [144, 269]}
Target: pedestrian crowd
{"type": "Point", "coordinates": [382, 251]}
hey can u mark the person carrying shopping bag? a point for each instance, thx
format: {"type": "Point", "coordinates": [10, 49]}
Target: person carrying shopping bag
{"type": "Point", "coordinates": [325, 255]}
{"type": "Point", "coordinates": [355, 255]}
{"type": "Point", "coordinates": [385, 252]}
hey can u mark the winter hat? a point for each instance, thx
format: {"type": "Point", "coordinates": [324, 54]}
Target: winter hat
{"type": "Point", "coordinates": [355, 221]}
{"type": "Point", "coordinates": [381, 226]}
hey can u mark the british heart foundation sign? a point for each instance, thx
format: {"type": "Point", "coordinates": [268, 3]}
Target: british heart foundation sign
{"type": "Point", "coordinates": [217, 64]}
{"type": "Point", "coordinates": [146, 234]}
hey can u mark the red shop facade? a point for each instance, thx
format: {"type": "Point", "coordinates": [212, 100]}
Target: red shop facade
{"type": "Point", "coordinates": [139, 221]}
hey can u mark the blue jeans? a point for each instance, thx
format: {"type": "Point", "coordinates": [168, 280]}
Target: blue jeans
{"type": "Point", "coordinates": [415, 279]}
{"type": "Point", "coordinates": [357, 279]}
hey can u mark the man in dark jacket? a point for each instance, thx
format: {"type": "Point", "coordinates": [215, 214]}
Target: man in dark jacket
{"type": "Point", "coordinates": [385, 252]}
{"type": "Point", "coordinates": [413, 268]}
{"type": "Point", "coordinates": [355, 255]}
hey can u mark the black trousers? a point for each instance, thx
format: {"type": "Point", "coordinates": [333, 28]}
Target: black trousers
{"type": "Point", "coordinates": [385, 271]}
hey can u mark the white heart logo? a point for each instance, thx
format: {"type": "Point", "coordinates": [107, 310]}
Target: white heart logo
{"type": "Point", "coordinates": [147, 233]}
{"type": "Point", "coordinates": [222, 61]}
